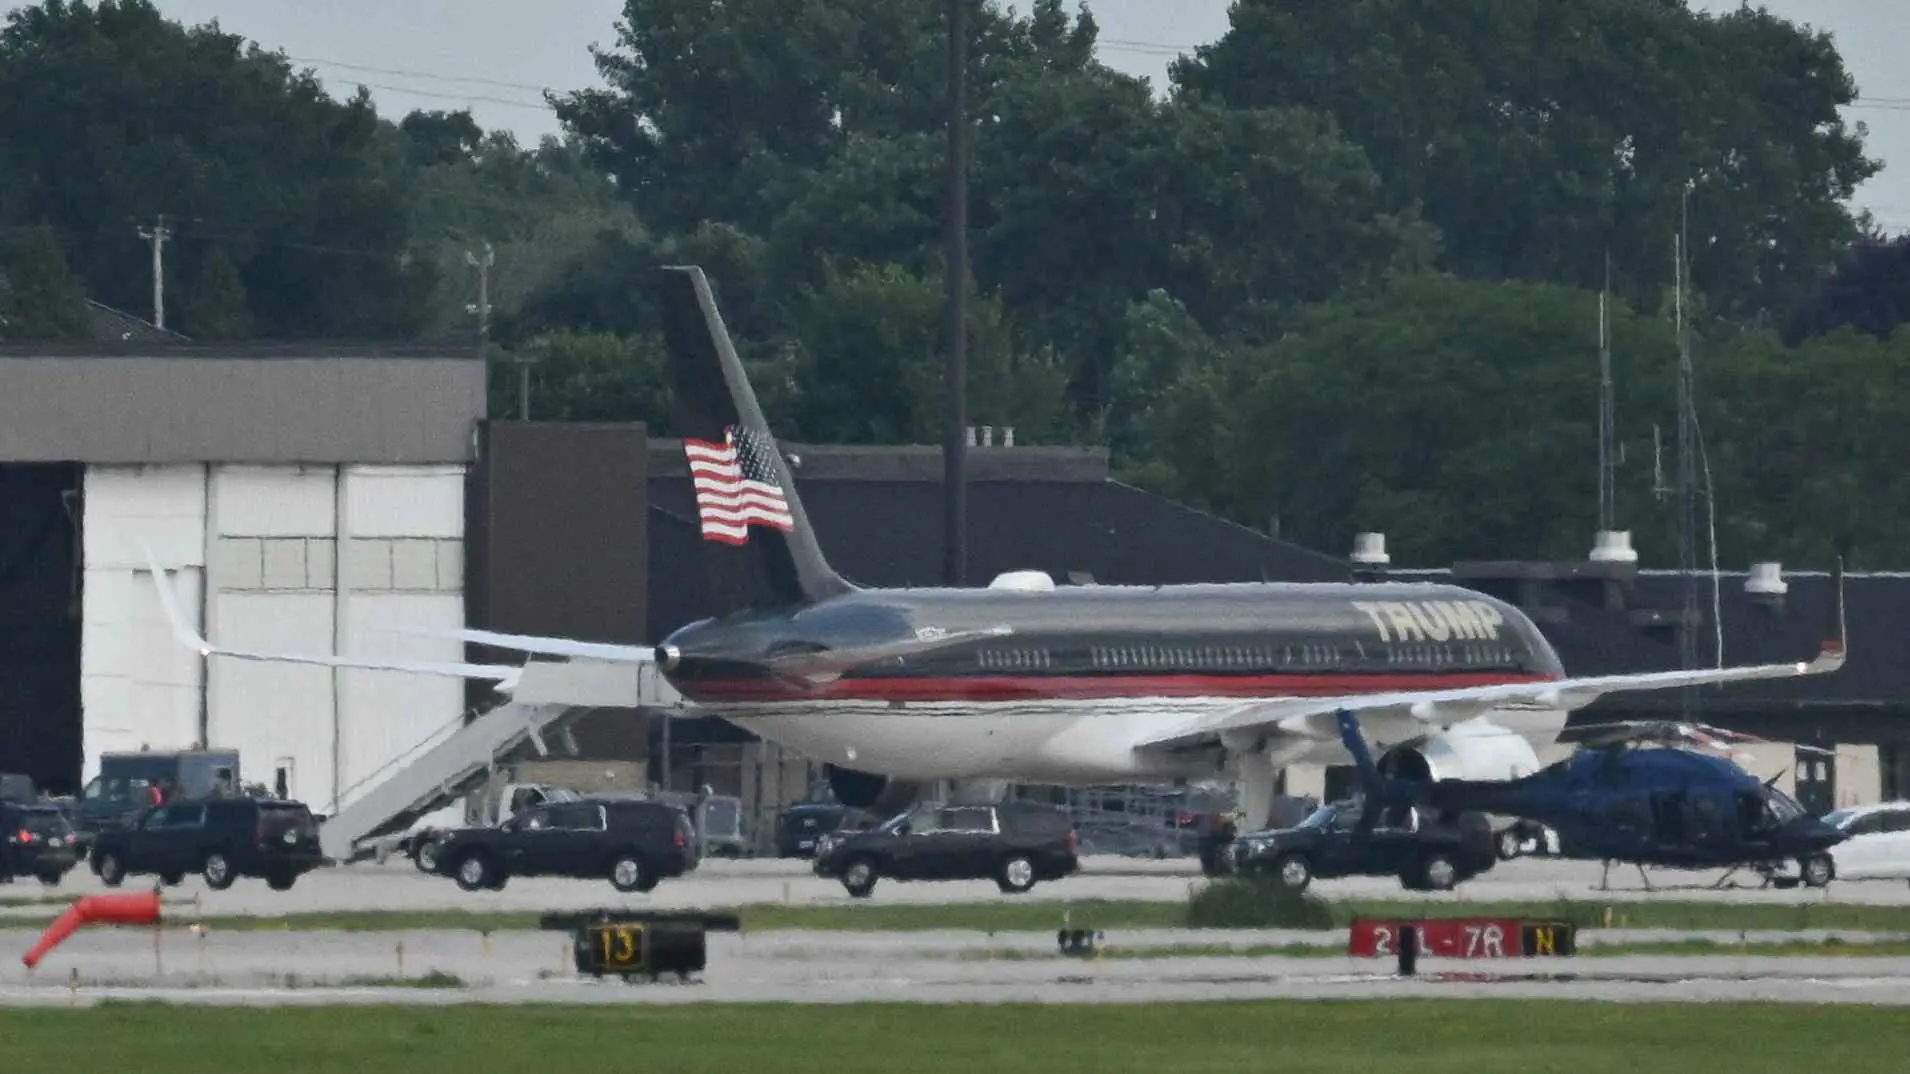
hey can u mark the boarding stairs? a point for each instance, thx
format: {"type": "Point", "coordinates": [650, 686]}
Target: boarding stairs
{"type": "Point", "coordinates": [464, 756]}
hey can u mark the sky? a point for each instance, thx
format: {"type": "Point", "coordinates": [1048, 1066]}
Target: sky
{"type": "Point", "coordinates": [492, 55]}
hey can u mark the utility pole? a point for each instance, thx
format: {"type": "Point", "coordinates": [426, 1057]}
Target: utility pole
{"type": "Point", "coordinates": [955, 246]}
{"type": "Point", "coordinates": [157, 236]}
{"type": "Point", "coordinates": [1687, 476]}
{"type": "Point", "coordinates": [483, 307]}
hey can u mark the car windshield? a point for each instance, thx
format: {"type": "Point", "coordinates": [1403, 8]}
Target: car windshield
{"type": "Point", "coordinates": [1319, 818]}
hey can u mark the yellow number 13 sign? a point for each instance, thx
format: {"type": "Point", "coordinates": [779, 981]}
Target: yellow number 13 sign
{"type": "Point", "coordinates": [621, 945]}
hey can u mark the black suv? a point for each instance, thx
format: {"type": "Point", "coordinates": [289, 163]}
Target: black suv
{"type": "Point", "coordinates": [632, 843]}
{"type": "Point", "coordinates": [801, 825]}
{"type": "Point", "coordinates": [1014, 844]}
{"type": "Point", "coordinates": [221, 838]}
{"type": "Point", "coordinates": [1428, 852]}
{"type": "Point", "coordinates": [36, 840]}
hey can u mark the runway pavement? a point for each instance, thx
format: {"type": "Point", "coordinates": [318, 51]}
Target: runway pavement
{"type": "Point", "coordinates": [536, 967]}
{"type": "Point", "coordinates": [397, 885]}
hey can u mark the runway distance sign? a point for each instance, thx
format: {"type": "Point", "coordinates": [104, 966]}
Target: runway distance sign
{"type": "Point", "coordinates": [1464, 937]}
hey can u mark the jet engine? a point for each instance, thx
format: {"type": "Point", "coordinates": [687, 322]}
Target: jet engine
{"type": "Point", "coordinates": [879, 795]}
{"type": "Point", "coordinates": [1471, 751]}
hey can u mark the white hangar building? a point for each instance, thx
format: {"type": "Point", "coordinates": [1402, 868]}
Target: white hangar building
{"type": "Point", "coordinates": [299, 497]}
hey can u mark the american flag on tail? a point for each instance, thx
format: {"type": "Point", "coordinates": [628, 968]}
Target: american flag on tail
{"type": "Point", "coordinates": [736, 486]}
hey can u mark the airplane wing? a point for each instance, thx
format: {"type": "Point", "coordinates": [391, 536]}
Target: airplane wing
{"type": "Point", "coordinates": [504, 675]}
{"type": "Point", "coordinates": [544, 646]}
{"type": "Point", "coordinates": [1316, 717]}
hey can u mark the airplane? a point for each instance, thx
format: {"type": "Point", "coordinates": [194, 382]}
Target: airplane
{"type": "Point", "coordinates": [1021, 680]}
{"type": "Point", "coordinates": [1660, 805]}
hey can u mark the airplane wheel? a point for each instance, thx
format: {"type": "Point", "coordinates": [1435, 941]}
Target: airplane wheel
{"type": "Point", "coordinates": [1818, 870]}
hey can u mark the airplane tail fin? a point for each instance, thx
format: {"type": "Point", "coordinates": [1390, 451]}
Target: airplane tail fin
{"type": "Point", "coordinates": [758, 543]}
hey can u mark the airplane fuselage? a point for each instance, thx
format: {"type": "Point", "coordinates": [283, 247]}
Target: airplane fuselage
{"type": "Point", "coordinates": [1083, 669]}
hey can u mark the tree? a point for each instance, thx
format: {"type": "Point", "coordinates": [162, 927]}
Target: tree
{"type": "Point", "coordinates": [40, 298]}
{"type": "Point", "coordinates": [1868, 288]}
{"type": "Point", "coordinates": [231, 144]}
{"type": "Point", "coordinates": [214, 307]}
{"type": "Point", "coordinates": [1457, 417]}
{"type": "Point", "coordinates": [1541, 137]}
{"type": "Point", "coordinates": [866, 355]}
{"type": "Point", "coordinates": [722, 113]}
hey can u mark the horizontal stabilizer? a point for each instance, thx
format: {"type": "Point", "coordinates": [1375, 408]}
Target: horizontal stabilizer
{"type": "Point", "coordinates": [504, 675]}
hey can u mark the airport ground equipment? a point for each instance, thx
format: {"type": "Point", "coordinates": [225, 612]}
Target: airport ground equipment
{"type": "Point", "coordinates": [548, 698]}
{"type": "Point", "coordinates": [633, 945]}
{"type": "Point", "coordinates": [1469, 938]}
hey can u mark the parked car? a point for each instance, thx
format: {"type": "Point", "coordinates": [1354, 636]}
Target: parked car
{"type": "Point", "coordinates": [801, 825]}
{"type": "Point", "coordinates": [1015, 844]}
{"type": "Point", "coordinates": [38, 842]}
{"type": "Point", "coordinates": [220, 838]}
{"type": "Point", "coordinates": [1879, 843]}
{"type": "Point", "coordinates": [631, 842]}
{"type": "Point", "coordinates": [1427, 851]}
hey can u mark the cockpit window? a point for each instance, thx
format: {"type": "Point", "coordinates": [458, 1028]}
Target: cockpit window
{"type": "Point", "coordinates": [1782, 807]}
{"type": "Point", "coordinates": [1839, 817]}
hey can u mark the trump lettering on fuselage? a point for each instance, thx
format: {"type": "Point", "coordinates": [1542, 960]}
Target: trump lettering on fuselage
{"type": "Point", "coordinates": [1433, 620]}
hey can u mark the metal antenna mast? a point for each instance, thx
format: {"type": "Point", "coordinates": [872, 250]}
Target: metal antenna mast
{"type": "Point", "coordinates": [1607, 461]}
{"type": "Point", "coordinates": [157, 236]}
{"type": "Point", "coordinates": [1687, 474]}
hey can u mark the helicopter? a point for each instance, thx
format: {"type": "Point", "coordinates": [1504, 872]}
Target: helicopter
{"type": "Point", "coordinates": [1657, 805]}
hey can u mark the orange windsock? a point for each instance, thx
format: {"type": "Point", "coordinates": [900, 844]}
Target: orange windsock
{"type": "Point", "coordinates": [140, 909]}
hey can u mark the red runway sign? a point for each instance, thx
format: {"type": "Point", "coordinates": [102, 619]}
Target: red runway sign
{"type": "Point", "coordinates": [1463, 937]}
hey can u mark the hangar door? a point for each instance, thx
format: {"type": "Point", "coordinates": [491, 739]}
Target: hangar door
{"type": "Point", "coordinates": [40, 623]}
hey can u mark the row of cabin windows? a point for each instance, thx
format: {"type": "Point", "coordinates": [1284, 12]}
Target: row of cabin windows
{"type": "Point", "coordinates": [1250, 657]}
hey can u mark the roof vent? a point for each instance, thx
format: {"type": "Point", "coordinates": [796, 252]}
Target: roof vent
{"type": "Point", "coordinates": [1023, 581]}
{"type": "Point", "coordinates": [1766, 579]}
{"type": "Point", "coordinates": [1370, 548]}
{"type": "Point", "coordinates": [1613, 546]}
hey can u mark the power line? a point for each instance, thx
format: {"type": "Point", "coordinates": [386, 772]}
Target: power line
{"type": "Point", "coordinates": [426, 75]}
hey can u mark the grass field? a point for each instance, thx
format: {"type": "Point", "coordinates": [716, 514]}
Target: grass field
{"type": "Point", "coordinates": [1409, 1037]}
{"type": "Point", "coordinates": [1010, 915]}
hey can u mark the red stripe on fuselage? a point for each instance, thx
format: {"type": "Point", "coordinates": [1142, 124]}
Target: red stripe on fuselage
{"type": "Point", "coordinates": [986, 688]}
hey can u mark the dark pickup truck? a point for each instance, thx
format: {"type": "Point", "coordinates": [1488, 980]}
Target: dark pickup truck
{"type": "Point", "coordinates": [1427, 851]}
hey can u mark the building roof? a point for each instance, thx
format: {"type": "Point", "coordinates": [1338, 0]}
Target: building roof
{"type": "Point", "coordinates": [110, 325]}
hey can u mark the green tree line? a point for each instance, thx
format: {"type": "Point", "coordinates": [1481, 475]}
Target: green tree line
{"type": "Point", "coordinates": [1343, 270]}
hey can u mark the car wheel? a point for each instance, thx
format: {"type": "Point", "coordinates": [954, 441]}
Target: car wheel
{"type": "Point", "coordinates": [1293, 872]}
{"type": "Point", "coordinates": [112, 872]}
{"type": "Point", "coordinates": [217, 871]}
{"type": "Point", "coordinates": [859, 878]}
{"type": "Point", "coordinates": [51, 880]}
{"type": "Point", "coordinates": [172, 880]}
{"type": "Point", "coordinates": [1439, 873]}
{"type": "Point", "coordinates": [426, 858]}
{"type": "Point", "coordinates": [627, 874]}
{"type": "Point", "coordinates": [281, 881]}
{"type": "Point", "coordinates": [1017, 875]}
{"type": "Point", "coordinates": [474, 873]}
{"type": "Point", "coordinates": [1818, 870]}
{"type": "Point", "coordinates": [1509, 844]}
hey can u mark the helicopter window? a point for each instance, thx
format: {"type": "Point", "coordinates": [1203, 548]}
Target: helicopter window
{"type": "Point", "coordinates": [1783, 808]}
